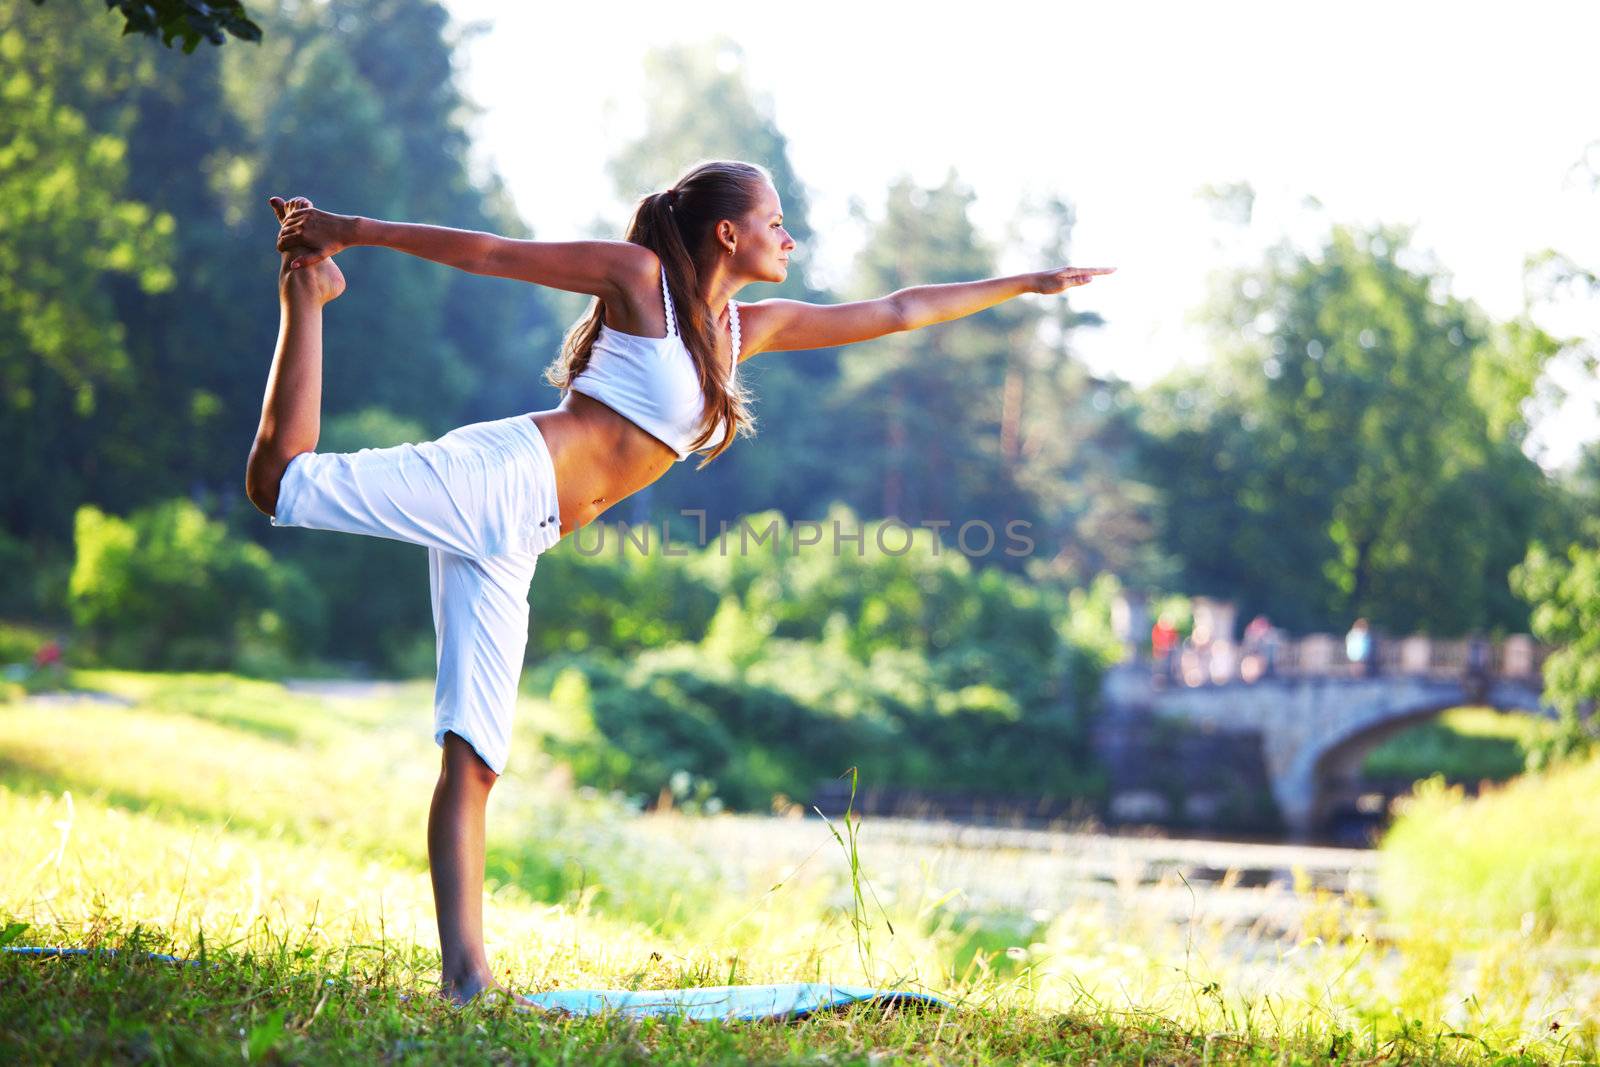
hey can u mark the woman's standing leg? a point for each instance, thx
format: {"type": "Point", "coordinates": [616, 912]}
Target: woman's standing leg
{"type": "Point", "coordinates": [480, 611]}
{"type": "Point", "coordinates": [456, 854]}
{"type": "Point", "coordinates": [291, 412]}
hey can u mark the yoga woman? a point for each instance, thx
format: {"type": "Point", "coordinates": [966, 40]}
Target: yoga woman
{"type": "Point", "coordinates": [648, 377]}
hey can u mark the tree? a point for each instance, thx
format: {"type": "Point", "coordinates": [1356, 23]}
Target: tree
{"type": "Point", "coordinates": [925, 405]}
{"type": "Point", "coordinates": [187, 20]}
{"type": "Point", "coordinates": [701, 106]}
{"type": "Point", "coordinates": [1564, 586]}
{"type": "Point", "coordinates": [404, 50]}
{"type": "Point", "coordinates": [1355, 450]}
{"type": "Point", "coordinates": [136, 318]}
{"type": "Point", "coordinates": [1072, 438]}
{"type": "Point", "coordinates": [1564, 589]}
{"type": "Point", "coordinates": [72, 229]}
{"type": "Point", "coordinates": [1550, 278]}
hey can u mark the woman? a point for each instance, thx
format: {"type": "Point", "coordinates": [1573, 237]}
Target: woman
{"type": "Point", "coordinates": [649, 376]}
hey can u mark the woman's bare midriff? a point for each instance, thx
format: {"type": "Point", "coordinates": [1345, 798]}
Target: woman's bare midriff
{"type": "Point", "coordinates": [599, 456]}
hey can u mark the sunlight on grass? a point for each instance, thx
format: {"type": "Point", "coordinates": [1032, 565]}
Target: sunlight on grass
{"type": "Point", "coordinates": [217, 814]}
{"type": "Point", "coordinates": [1524, 856]}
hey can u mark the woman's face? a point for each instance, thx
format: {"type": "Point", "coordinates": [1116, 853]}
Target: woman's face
{"type": "Point", "coordinates": [762, 245]}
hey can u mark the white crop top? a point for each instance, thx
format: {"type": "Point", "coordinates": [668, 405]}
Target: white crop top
{"type": "Point", "coordinates": [651, 381]}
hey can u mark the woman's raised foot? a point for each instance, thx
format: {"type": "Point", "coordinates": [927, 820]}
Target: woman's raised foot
{"type": "Point", "coordinates": [320, 282]}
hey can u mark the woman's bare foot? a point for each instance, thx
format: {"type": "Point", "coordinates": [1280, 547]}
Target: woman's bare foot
{"type": "Point", "coordinates": [489, 995]}
{"type": "Point", "coordinates": [320, 282]}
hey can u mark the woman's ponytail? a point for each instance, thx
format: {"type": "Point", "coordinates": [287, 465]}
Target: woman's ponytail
{"type": "Point", "coordinates": [677, 225]}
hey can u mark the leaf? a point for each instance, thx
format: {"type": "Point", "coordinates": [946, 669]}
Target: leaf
{"type": "Point", "coordinates": [265, 1034]}
{"type": "Point", "coordinates": [12, 932]}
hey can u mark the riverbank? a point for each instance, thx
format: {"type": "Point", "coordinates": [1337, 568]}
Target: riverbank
{"type": "Point", "coordinates": [280, 835]}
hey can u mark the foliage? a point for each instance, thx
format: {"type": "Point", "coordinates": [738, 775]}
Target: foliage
{"type": "Point", "coordinates": [1564, 589]}
{"type": "Point", "coordinates": [71, 226]}
{"type": "Point", "coordinates": [1463, 745]}
{"type": "Point", "coordinates": [187, 20]}
{"type": "Point", "coordinates": [169, 587]}
{"type": "Point", "coordinates": [135, 328]}
{"type": "Point", "coordinates": [615, 601]}
{"type": "Point", "coordinates": [20, 643]}
{"type": "Point", "coordinates": [1520, 857]}
{"type": "Point", "coordinates": [1356, 449]}
{"type": "Point", "coordinates": [765, 672]}
{"type": "Point", "coordinates": [35, 585]}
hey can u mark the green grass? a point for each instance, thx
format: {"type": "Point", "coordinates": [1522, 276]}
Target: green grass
{"type": "Point", "coordinates": [1463, 744]}
{"type": "Point", "coordinates": [279, 838]}
{"type": "Point", "coordinates": [1524, 857]}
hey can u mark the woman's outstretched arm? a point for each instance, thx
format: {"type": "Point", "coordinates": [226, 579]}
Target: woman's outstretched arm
{"type": "Point", "coordinates": [789, 325]}
{"type": "Point", "coordinates": [597, 268]}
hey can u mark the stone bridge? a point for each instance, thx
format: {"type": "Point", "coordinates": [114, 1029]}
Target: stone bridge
{"type": "Point", "coordinates": [1282, 717]}
{"type": "Point", "coordinates": [1312, 729]}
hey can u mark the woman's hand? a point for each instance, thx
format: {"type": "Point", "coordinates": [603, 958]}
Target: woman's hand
{"type": "Point", "coordinates": [316, 235]}
{"type": "Point", "coordinates": [1050, 282]}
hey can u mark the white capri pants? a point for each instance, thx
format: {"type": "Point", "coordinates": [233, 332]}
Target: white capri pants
{"type": "Point", "coordinates": [482, 499]}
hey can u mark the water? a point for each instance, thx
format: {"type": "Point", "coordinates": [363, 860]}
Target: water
{"type": "Point", "coordinates": [1247, 886]}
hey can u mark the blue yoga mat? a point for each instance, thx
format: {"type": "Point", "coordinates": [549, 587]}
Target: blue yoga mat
{"type": "Point", "coordinates": [30, 950]}
{"type": "Point", "coordinates": [784, 1000]}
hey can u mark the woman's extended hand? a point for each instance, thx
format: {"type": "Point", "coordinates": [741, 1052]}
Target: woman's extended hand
{"type": "Point", "coordinates": [1061, 279]}
{"type": "Point", "coordinates": [315, 234]}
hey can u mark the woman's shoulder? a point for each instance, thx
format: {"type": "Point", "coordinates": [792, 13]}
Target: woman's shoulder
{"type": "Point", "coordinates": [637, 307]}
{"type": "Point", "coordinates": [640, 264]}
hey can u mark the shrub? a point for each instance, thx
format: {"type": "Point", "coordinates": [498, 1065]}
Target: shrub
{"type": "Point", "coordinates": [619, 602]}
{"type": "Point", "coordinates": [35, 585]}
{"type": "Point", "coordinates": [1520, 857]}
{"type": "Point", "coordinates": [802, 712]}
{"type": "Point", "coordinates": [169, 588]}
{"type": "Point", "coordinates": [772, 670]}
{"type": "Point", "coordinates": [21, 642]}
{"type": "Point", "coordinates": [1564, 590]}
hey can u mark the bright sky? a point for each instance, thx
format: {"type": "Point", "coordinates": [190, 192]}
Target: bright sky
{"type": "Point", "coordinates": [1467, 121]}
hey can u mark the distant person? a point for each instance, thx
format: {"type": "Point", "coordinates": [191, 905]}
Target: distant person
{"type": "Point", "coordinates": [649, 376]}
{"type": "Point", "coordinates": [1163, 639]}
{"type": "Point", "coordinates": [1358, 647]}
{"type": "Point", "coordinates": [1270, 644]}
{"type": "Point", "coordinates": [1479, 656]}
{"type": "Point", "coordinates": [1255, 649]}
{"type": "Point", "coordinates": [1194, 663]}
{"type": "Point", "coordinates": [48, 655]}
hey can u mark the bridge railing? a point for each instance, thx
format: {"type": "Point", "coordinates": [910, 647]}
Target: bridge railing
{"type": "Point", "coordinates": [1516, 657]}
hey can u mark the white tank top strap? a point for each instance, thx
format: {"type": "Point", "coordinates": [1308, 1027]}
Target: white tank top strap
{"type": "Point", "coordinates": [733, 321]}
{"type": "Point", "coordinates": [666, 300]}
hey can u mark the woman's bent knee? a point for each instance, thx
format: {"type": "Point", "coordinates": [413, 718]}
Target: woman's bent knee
{"type": "Point", "coordinates": [263, 475]}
